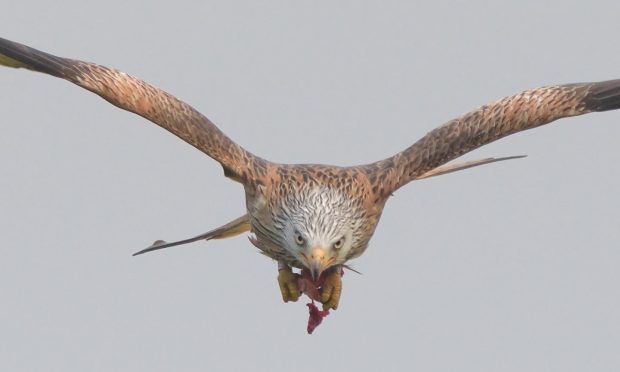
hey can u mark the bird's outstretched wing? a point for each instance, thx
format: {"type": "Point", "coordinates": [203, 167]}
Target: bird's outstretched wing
{"type": "Point", "coordinates": [488, 123]}
{"type": "Point", "coordinates": [137, 96]}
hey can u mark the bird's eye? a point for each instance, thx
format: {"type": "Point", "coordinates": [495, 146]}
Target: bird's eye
{"type": "Point", "coordinates": [299, 239]}
{"type": "Point", "coordinates": [339, 243]}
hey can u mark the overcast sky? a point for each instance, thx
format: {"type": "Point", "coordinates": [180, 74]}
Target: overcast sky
{"type": "Point", "coordinates": [508, 267]}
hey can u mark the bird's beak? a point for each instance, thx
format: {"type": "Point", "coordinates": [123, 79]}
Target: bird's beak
{"type": "Point", "coordinates": [317, 262]}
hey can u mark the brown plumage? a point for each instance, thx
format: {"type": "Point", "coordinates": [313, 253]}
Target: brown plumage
{"type": "Point", "coordinates": [318, 216]}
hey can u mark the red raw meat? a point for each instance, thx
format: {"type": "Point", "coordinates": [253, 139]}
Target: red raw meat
{"type": "Point", "coordinates": [312, 289]}
{"type": "Point", "coordinates": [316, 317]}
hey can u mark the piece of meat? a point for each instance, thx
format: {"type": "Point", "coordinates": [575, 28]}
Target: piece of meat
{"type": "Point", "coordinates": [312, 289]}
{"type": "Point", "coordinates": [316, 317]}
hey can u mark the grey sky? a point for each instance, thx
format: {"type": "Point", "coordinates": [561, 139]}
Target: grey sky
{"type": "Point", "coordinates": [508, 267]}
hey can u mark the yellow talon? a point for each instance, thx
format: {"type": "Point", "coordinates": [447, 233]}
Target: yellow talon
{"type": "Point", "coordinates": [331, 290]}
{"type": "Point", "coordinates": [288, 285]}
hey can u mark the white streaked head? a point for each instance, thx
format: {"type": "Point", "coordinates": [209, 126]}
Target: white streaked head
{"type": "Point", "coordinates": [319, 226]}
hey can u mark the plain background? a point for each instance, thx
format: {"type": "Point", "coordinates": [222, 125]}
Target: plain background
{"type": "Point", "coordinates": [508, 267]}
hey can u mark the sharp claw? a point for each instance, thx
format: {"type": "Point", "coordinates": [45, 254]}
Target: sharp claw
{"type": "Point", "coordinates": [330, 294]}
{"type": "Point", "coordinates": [288, 285]}
{"type": "Point", "coordinates": [332, 303]}
{"type": "Point", "coordinates": [284, 293]}
{"type": "Point", "coordinates": [326, 293]}
{"type": "Point", "coordinates": [292, 292]}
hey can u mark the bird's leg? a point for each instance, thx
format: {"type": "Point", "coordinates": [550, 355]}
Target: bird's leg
{"type": "Point", "coordinates": [288, 283]}
{"type": "Point", "coordinates": [332, 288]}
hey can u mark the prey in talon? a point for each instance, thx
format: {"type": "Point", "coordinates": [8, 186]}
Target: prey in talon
{"type": "Point", "coordinates": [311, 217]}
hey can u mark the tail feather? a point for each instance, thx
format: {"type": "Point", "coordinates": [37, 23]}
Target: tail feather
{"type": "Point", "coordinates": [233, 228]}
{"type": "Point", "coordinates": [449, 168]}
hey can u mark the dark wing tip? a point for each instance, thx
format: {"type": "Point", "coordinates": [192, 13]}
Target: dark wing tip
{"type": "Point", "coordinates": [603, 96]}
{"type": "Point", "coordinates": [35, 59]}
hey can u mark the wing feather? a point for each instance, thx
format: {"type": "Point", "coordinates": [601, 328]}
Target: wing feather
{"type": "Point", "coordinates": [491, 122]}
{"type": "Point", "coordinates": [137, 96]}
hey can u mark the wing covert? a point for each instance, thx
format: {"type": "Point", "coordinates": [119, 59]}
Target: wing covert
{"type": "Point", "coordinates": [142, 98]}
{"type": "Point", "coordinates": [491, 122]}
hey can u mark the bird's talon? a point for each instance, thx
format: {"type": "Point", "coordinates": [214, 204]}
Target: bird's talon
{"type": "Point", "coordinates": [331, 290]}
{"type": "Point", "coordinates": [288, 285]}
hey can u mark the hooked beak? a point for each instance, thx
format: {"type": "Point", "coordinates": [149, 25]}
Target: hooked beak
{"type": "Point", "coordinates": [317, 262]}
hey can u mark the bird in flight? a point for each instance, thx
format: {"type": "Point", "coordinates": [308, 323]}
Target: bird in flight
{"type": "Point", "coordinates": [318, 217]}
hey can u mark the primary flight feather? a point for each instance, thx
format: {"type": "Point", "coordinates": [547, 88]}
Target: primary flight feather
{"type": "Point", "coordinates": [318, 217]}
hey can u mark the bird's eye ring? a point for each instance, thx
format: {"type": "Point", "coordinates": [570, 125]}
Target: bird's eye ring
{"type": "Point", "coordinates": [339, 243]}
{"type": "Point", "coordinates": [299, 239]}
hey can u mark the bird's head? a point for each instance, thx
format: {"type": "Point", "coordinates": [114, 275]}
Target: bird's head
{"type": "Point", "coordinates": [320, 250]}
{"type": "Point", "coordinates": [322, 228]}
